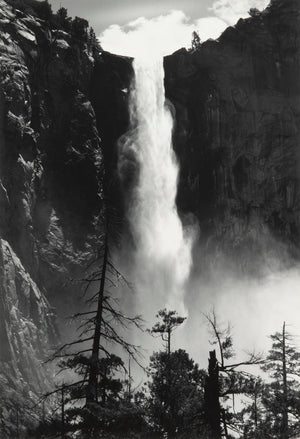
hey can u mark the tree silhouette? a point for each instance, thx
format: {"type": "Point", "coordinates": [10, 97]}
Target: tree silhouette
{"type": "Point", "coordinates": [196, 42]}
{"type": "Point", "coordinates": [168, 322]}
{"type": "Point", "coordinates": [98, 326]}
{"type": "Point", "coordinates": [224, 378]}
{"type": "Point", "coordinates": [254, 12]}
{"type": "Point", "coordinates": [101, 324]}
{"type": "Point", "coordinates": [283, 365]}
{"type": "Point", "coordinates": [176, 394]}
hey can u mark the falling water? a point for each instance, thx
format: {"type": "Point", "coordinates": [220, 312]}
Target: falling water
{"type": "Point", "coordinates": [162, 248]}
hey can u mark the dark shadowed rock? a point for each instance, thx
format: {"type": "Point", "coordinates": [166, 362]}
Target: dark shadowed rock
{"type": "Point", "coordinates": [237, 136]}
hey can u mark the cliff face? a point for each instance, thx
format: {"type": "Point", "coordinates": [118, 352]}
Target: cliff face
{"type": "Point", "coordinates": [237, 104]}
{"type": "Point", "coordinates": [51, 176]}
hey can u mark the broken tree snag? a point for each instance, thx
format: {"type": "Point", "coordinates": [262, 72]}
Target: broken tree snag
{"type": "Point", "coordinates": [211, 398]}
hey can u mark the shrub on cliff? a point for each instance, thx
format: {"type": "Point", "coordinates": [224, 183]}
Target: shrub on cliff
{"type": "Point", "coordinates": [80, 28]}
{"type": "Point", "coordinates": [196, 42]}
{"type": "Point", "coordinates": [254, 12]}
{"type": "Point", "coordinates": [62, 19]}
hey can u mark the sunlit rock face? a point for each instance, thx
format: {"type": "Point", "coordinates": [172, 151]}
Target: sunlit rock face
{"type": "Point", "coordinates": [26, 318]}
{"type": "Point", "coordinates": [27, 327]}
{"type": "Point", "coordinates": [237, 126]}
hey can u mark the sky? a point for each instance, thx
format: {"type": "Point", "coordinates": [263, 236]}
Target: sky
{"type": "Point", "coordinates": [103, 13]}
{"type": "Point", "coordinates": [127, 26]}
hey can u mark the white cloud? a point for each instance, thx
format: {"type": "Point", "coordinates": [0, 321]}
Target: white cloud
{"type": "Point", "coordinates": [160, 35]}
{"type": "Point", "coordinates": [231, 11]}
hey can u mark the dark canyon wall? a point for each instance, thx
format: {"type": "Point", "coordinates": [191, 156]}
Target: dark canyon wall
{"type": "Point", "coordinates": [52, 159]}
{"type": "Point", "coordinates": [237, 135]}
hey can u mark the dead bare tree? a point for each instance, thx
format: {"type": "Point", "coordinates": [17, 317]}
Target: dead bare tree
{"type": "Point", "coordinates": [102, 324]}
{"type": "Point", "coordinates": [224, 378]}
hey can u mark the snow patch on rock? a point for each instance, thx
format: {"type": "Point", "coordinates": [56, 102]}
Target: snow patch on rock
{"type": "Point", "coordinates": [27, 35]}
{"type": "Point", "coordinates": [62, 44]}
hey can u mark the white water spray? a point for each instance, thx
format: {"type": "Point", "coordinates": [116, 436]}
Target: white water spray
{"type": "Point", "coordinates": [163, 249]}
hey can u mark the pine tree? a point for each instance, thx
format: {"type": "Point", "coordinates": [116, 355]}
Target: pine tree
{"type": "Point", "coordinates": [168, 322]}
{"type": "Point", "coordinates": [98, 326]}
{"type": "Point", "coordinates": [196, 42]}
{"type": "Point", "coordinates": [176, 395]}
{"type": "Point", "coordinates": [63, 20]}
{"type": "Point", "coordinates": [90, 356]}
{"type": "Point", "coordinates": [283, 365]}
{"type": "Point", "coordinates": [255, 418]}
{"type": "Point", "coordinates": [165, 369]}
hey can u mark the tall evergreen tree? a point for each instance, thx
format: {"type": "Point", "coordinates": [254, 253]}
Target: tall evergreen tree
{"type": "Point", "coordinates": [176, 388]}
{"type": "Point", "coordinates": [168, 321]}
{"type": "Point", "coordinates": [283, 365]}
{"type": "Point", "coordinates": [196, 42]}
{"type": "Point", "coordinates": [176, 395]}
{"type": "Point", "coordinates": [101, 325]}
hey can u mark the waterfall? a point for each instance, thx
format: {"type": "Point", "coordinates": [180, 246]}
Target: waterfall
{"type": "Point", "coordinates": [162, 259]}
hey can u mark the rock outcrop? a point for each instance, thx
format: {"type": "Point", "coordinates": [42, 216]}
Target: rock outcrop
{"type": "Point", "coordinates": [27, 329]}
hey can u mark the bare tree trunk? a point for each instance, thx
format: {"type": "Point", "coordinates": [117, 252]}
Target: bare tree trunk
{"type": "Point", "coordinates": [170, 432]}
{"type": "Point", "coordinates": [211, 398]}
{"type": "Point", "coordinates": [255, 409]}
{"type": "Point", "coordinates": [63, 412]}
{"type": "Point", "coordinates": [17, 422]}
{"type": "Point", "coordinates": [285, 390]}
{"type": "Point", "coordinates": [92, 392]}
{"type": "Point", "coordinates": [129, 379]}
{"type": "Point", "coordinates": [43, 412]}
{"type": "Point", "coordinates": [224, 424]}
{"type": "Point", "coordinates": [104, 383]}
